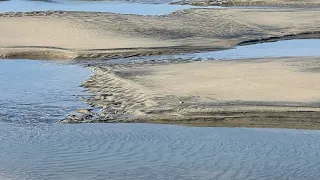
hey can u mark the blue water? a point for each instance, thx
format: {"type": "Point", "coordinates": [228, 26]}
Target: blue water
{"type": "Point", "coordinates": [39, 91]}
{"type": "Point", "coordinates": [144, 152]}
{"type": "Point", "coordinates": [93, 6]}
{"type": "Point", "coordinates": [285, 48]}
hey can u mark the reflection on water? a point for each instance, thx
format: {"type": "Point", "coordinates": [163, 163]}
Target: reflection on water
{"type": "Point", "coordinates": [91, 6]}
{"type": "Point", "coordinates": [39, 91]}
{"type": "Point", "coordinates": [292, 48]}
{"type": "Point", "coordinates": [144, 152]}
{"type": "Point", "coordinates": [286, 48]}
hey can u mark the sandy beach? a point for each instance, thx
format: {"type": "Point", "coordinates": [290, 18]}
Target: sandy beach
{"type": "Point", "coordinates": [87, 35]}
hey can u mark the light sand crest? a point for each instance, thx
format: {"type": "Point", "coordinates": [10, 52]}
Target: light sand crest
{"type": "Point", "coordinates": [253, 93]}
{"type": "Point", "coordinates": [87, 35]}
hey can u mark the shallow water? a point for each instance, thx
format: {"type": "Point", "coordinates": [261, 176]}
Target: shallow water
{"type": "Point", "coordinates": [144, 151]}
{"type": "Point", "coordinates": [285, 48]}
{"type": "Point", "coordinates": [39, 91]}
{"type": "Point", "coordinates": [91, 6]}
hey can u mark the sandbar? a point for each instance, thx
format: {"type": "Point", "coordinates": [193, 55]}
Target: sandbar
{"type": "Point", "coordinates": [89, 35]}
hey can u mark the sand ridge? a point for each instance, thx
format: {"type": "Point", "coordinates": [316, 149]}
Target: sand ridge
{"type": "Point", "coordinates": [87, 35]}
{"type": "Point", "coordinates": [263, 3]}
{"type": "Point", "coordinates": [277, 92]}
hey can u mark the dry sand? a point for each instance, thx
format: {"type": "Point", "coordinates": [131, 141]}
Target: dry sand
{"type": "Point", "coordinates": [275, 81]}
{"type": "Point", "coordinates": [253, 93]}
{"type": "Point", "coordinates": [86, 35]}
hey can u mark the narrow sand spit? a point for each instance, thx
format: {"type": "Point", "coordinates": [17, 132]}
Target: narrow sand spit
{"type": "Point", "coordinates": [254, 93]}
{"type": "Point", "coordinates": [274, 3]}
{"type": "Point", "coordinates": [87, 35]}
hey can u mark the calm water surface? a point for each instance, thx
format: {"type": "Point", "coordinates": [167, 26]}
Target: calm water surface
{"type": "Point", "coordinates": [91, 6]}
{"type": "Point", "coordinates": [39, 91]}
{"type": "Point", "coordinates": [286, 48]}
{"type": "Point", "coordinates": [144, 152]}
{"type": "Point", "coordinates": [35, 94]}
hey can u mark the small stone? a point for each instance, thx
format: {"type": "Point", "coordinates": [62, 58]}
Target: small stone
{"type": "Point", "coordinates": [102, 114]}
{"type": "Point", "coordinates": [84, 111]}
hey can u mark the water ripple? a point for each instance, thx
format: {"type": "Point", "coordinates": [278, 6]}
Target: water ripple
{"type": "Point", "coordinates": [143, 151]}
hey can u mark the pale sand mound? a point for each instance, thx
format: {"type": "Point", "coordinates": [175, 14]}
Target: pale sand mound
{"type": "Point", "coordinates": [83, 35]}
{"type": "Point", "coordinates": [254, 93]}
{"type": "Point", "coordinates": [53, 32]}
{"type": "Point", "coordinates": [270, 80]}
{"type": "Point", "coordinates": [278, 3]}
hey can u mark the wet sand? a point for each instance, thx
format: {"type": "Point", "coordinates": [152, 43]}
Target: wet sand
{"type": "Point", "coordinates": [281, 92]}
{"type": "Point", "coordinates": [87, 35]}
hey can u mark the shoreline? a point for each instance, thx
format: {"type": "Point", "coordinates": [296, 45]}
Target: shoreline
{"type": "Point", "coordinates": [55, 53]}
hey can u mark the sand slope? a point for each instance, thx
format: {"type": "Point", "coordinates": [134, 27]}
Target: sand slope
{"type": "Point", "coordinates": [85, 35]}
{"type": "Point", "coordinates": [275, 3]}
{"type": "Point", "coordinates": [278, 92]}
{"type": "Point", "coordinates": [260, 80]}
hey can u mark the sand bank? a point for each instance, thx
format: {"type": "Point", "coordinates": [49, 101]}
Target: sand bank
{"type": "Point", "coordinates": [87, 35]}
{"type": "Point", "coordinates": [273, 3]}
{"type": "Point", "coordinates": [253, 93]}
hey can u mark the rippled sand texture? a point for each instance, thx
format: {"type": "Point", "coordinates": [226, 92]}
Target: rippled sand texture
{"type": "Point", "coordinates": [46, 35]}
{"type": "Point", "coordinates": [141, 151]}
{"type": "Point", "coordinates": [279, 92]}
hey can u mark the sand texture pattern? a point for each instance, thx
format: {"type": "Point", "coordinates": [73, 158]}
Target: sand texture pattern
{"type": "Point", "coordinates": [87, 35]}
{"type": "Point", "coordinates": [282, 92]}
{"type": "Point", "coordinates": [263, 3]}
